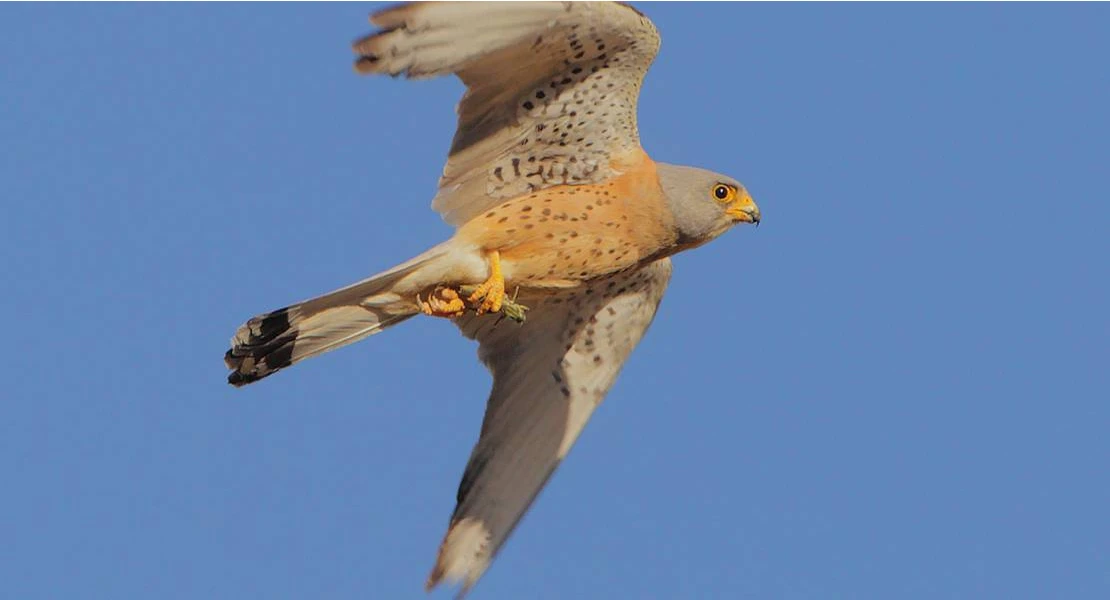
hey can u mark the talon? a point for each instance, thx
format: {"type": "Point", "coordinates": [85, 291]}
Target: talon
{"type": "Point", "coordinates": [491, 294]}
{"type": "Point", "coordinates": [442, 302]}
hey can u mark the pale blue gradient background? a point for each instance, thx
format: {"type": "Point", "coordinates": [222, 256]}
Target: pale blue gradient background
{"type": "Point", "coordinates": [895, 388]}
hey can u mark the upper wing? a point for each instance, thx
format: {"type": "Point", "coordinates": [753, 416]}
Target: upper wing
{"type": "Point", "coordinates": [548, 376]}
{"type": "Point", "coordinates": [551, 90]}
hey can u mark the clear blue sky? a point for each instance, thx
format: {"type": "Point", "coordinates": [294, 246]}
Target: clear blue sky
{"type": "Point", "coordinates": [896, 387]}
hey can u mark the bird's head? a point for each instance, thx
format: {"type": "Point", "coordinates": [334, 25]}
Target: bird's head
{"type": "Point", "coordinates": [704, 204]}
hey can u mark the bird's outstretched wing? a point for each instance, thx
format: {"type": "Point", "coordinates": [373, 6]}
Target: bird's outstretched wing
{"type": "Point", "coordinates": [551, 90]}
{"type": "Point", "coordinates": [547, 379]}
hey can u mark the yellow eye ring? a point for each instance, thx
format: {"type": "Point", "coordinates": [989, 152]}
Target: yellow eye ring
{"type": "Point", "coordinates": [724, 193]}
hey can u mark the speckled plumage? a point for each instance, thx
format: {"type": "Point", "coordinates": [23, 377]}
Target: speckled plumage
{"type": "Point", "coordinates": [563, 235]}
{"type": "Point", "coordinates": [551, 90]}
{"type": "Point", "coordinates": [553, 198]}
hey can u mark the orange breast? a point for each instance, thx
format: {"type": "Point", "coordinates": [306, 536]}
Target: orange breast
{"type": "Point", "coordinates": [564, 234]}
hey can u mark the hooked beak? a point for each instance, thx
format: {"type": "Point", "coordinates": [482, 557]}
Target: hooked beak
{"type": "Point", "coordinates": [744, 209]}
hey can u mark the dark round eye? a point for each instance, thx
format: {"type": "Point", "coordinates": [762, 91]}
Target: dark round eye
{"type": "Point", "coordinates": [721, 192]}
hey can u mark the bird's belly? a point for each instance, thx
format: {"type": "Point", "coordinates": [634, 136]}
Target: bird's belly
{"type": "Point", "coordinates": [562, 236]}
{"type": "Point", "coordinates": [564, 257]}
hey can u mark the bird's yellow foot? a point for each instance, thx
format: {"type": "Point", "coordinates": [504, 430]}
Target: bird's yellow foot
{"type": "Point", "coordinates": [491, 294]}
{"type": "Point", "coordinates": [443, 302]}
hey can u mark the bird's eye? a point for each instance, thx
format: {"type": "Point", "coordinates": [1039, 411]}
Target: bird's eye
{"type": "Point", "coordinates": [722, 192]}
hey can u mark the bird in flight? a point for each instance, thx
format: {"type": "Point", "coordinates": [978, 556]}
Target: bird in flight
{"type": "Point", "coordinates": [553, 201]}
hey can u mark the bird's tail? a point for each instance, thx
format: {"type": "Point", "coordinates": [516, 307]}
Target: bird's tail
{"type": "Point", "coordinates": [272, 341]}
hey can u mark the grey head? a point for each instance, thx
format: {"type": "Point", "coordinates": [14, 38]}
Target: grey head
{"type": "Point", "coordinates": [704, 204]}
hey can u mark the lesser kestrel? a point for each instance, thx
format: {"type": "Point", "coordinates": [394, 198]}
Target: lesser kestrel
{"type": "Point", "coordinates": [554, 200]}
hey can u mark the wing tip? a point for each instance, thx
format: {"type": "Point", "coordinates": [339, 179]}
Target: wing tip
{"type": "Point", "coordinates": [463, 555]}
{"type": "Point", "coordinates": [393, 15]}
{"type": "Point", "coordinates": [389, 20]}
{"type": "Point", "coordinates": [366, 64]}
{"type": "Point", "coordinates": [629, 6]}
{"type": "Point", "coordinates": [369, 51]}
{"type": "Point", "coordinates": [434, 578]}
